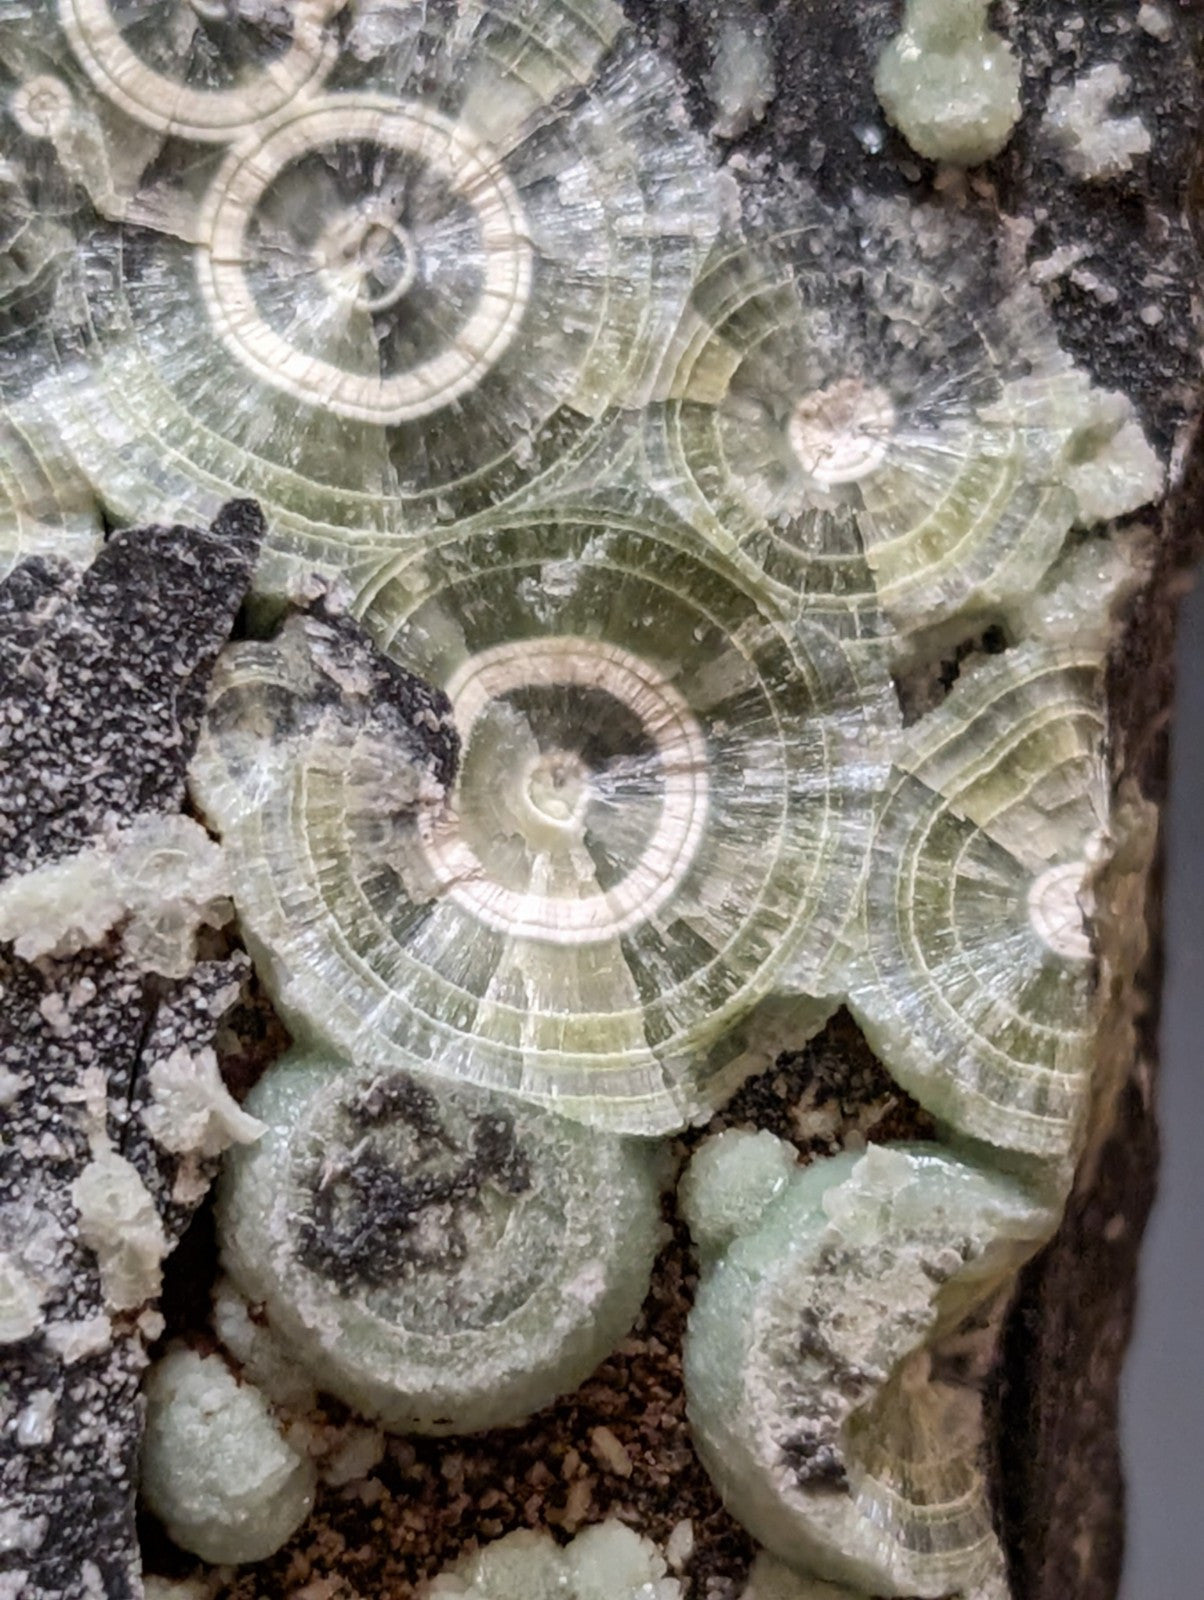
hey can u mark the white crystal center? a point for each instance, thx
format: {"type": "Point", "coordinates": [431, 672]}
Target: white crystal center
{"type": "Point", "coordinates": [841, 433]}
{"type": "Point", "coordinates": [563, 902]}
{"type": "Point", "coordinates": [451, 157]}
{"type": "Point", "coordinates": [1056, 910]}
{"type": "Point", "coordinates": [368, 258]}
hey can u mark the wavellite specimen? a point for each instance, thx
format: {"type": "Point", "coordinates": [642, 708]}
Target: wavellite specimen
{"type": "Point", "coordinates": [216, 1468]}
{"type": "Point", "coordinates": [659, 821]}
{"type": "Point", "coordinates": [834, 1354]}
{"type": "Point", "coordinates": [412, 255]}
{"type": "Point", "coordinates": [871, 408]}
{"type": "Point", "coordinates": [438, 1257]}
{"type": "Point", "coordinates": [978, 979]}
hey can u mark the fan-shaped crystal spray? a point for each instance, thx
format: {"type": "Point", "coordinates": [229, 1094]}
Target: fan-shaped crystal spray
{"type": "Point", "coordinates": [874, 411]}
{"type": "Point", "coordinates": [834, 1353]}
{"type": "Point", "coordinates": [977, 989]}
{"type": "Point", "coordinates": [659, 821]}
{"type": "Point", "coordinates": [409, 261]}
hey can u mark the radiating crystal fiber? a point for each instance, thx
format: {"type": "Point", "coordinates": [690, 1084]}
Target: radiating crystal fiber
{"type": "Point", "coordinates": [660, 818]}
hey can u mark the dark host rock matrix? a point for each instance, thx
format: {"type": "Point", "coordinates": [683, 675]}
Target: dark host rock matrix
{"type": "Point", "coordinates": [102, 684]}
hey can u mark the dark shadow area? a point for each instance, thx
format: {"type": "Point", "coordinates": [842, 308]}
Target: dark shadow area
{"type": "Point", "coordinates": [1163, 1393]}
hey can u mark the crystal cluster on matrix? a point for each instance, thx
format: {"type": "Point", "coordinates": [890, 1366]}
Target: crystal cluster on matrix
{"type": "Point", "coordinates": [563, 781]}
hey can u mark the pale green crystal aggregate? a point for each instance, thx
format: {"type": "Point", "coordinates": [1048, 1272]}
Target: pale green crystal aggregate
{"type": "Point", "coordinates": [950, 84]}
{"type": "Point", "coordinates": [534, 215]}
{"type": "Point", "coordinates": [605, 1562]}
{"type": "Point", "coordinates": [731, 1181]}
{"type": "Point", "coordinates": [771, 1579]}
{"type": "Point", "coordinates": [812, 1365]}
{"type": "Point", "coordinates": [886, 432]}
{"type": "Point", "coordinates": [216, 1469]}
{"type": "Point", "coordinates": [437, 1257]}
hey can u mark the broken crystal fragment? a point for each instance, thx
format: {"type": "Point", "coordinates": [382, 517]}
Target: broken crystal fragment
{"type": "Point", "coordinates": [833, 1361]}
{"type": "Point", "coordinates": [438, 1257]}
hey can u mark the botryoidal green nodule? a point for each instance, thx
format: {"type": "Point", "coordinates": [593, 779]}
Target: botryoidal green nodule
{"type": "Point", "coordinates": [216, 1468]}
{"type": "Point", "coordinates": [438, 1257]}
{"type": "Point", "coordinates": [833, 1356]}
{"type": "Point", "coordinates": [605, 1562]}
{"type": "Point", "coordinates": [949, 83]}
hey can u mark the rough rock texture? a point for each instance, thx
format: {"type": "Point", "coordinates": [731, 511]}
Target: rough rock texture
{"type": "Point", "coordinates": [102, 679]}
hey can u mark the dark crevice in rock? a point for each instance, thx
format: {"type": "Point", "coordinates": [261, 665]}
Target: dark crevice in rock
{"type": "Point", "coordinates": [923, 685]}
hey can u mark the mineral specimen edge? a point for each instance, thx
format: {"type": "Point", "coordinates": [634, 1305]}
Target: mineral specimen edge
{"type": "Point", "coordinates": [648, 483]}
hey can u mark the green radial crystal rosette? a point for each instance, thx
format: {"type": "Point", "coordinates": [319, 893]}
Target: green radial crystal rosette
{"type": "Point", "coordinates": [978, 985]}
{"type": "Point", "coordinates": [660, 819]}
{"type": "Point", "coordinates": [440, 1258]}
{"type": "Point", "coordinates": [873, 413]}
{"type": "Point", "coordinates": [834, 1358]}
{"type": "Point", "coordinates": [375, 267]}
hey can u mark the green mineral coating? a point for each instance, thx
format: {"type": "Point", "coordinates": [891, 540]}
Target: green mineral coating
{"type": "Point", "coordinates": [216, 1469]}
{"type": "Point", "coordinates": [949, 83]}
{"type": "Point", "coordinates": [812, 1366]}
{"type": "Point", "coordinates": [439, 1258]}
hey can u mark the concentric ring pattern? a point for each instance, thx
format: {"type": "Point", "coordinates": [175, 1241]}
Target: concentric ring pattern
{"type": "Point", "coordinates": [562, 771]}
{"type": "Point", "coordinates": [407, 1238]}
{"type": "Point", "coordinates": [409, 262]}
{"type": "Point", "coordinates": [661, 816]}
{"type": "Point", "coordinates": [978, 977]}
{"type": "Point", "coordinates": [880, 439]}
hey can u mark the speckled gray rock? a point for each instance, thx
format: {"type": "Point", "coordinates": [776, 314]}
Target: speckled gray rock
{"type": "Point", "coordinates": [102, 678]}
